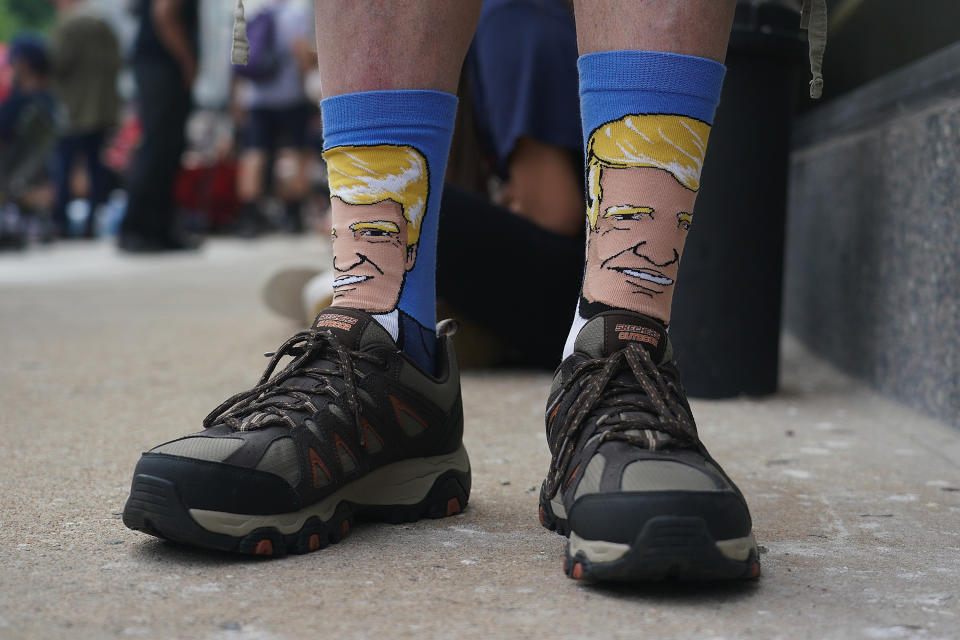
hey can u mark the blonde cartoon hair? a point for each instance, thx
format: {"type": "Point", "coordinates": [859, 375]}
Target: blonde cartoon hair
{"type": "Point", "coordinates": [374, 173]}
{"type": "Point", "coordinates": [674, 143]}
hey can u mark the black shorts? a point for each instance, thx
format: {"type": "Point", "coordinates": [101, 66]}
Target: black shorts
{"type": "Point", "coordinates": [281, 128]}
{"type": "Point", "coordinates": [522, 68]}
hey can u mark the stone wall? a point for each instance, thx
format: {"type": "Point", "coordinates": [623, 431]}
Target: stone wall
{"type": "Point", "coordinates": [873, 234]}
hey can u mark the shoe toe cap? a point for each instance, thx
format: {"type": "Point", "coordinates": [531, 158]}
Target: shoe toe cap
{"type": "Point", "coordinates": [666, 475]}
{"type": "Point", "coordinates": [215, 486]}
{"type": "Point", "coordinates": [201, 448]}
{"type": "Point", "coordinates": [621, 516]}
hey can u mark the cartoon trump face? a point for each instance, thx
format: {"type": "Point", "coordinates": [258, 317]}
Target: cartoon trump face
{"type": "Point", "coordinates": [378, 194]}
{"type": "Point", "coordinates": [643, 174]}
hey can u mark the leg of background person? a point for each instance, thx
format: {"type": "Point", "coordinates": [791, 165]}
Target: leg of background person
{"type": "Point", "coordinates": [175, 124]}
{"type": "Point", "coordinates": [142, 192]}
{"type": "Point", "coordinates": [296, 182]}
{"type": "Point", "coordinates": [254, 180]}
{"type": "Point", "coordinates": [97, 172]}
{"type": "Point", "coordinates": [164, 104]}
{"type": "Point", "coordinates": [62, 165]}
{"type": "Point", "coordinates": [292, 167]}
{"type": "Point", "coordinates": [388, 71]}
{"type": "Point", "coordinates": [251, 171]}
{"type": "Point", "coordinates": [250, 175]}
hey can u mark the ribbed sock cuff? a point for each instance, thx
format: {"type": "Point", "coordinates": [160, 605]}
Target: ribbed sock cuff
{"type": "Point", "coordinates": [655, 81]}
{"type": "Point", "coordinates": [387, 110]}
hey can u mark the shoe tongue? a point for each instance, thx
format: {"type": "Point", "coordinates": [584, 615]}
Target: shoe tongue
{"type": "Point", "coordinates": [611, 331]}
{"type": "Point", "coordinates": [356, 329]}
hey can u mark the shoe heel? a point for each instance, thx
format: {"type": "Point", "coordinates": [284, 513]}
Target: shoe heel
{"type": "Point", "coordinates": [448, 496]}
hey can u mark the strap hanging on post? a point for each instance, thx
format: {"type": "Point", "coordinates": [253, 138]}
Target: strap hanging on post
{"type": "Point", "coordinates": [813, 18]}
{"type": "Point", "coordinates": [240, 51]}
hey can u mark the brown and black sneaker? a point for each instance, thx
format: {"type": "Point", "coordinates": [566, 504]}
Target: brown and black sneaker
{"type": "Point", "coordinates": [350, 428]}
{"type": "Point", "coordinates": [630, 482]}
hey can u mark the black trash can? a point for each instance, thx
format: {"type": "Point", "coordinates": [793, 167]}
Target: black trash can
{"type": "Point", "coordinates": [726, 311]}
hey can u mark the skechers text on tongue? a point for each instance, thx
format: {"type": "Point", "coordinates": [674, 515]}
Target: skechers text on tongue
{"type": "Point", "coordinates": [610, 331]}
{"type": "Point", "coordinates": [352, 327]}
{"type": "Point", "coordinates": [335, 321]}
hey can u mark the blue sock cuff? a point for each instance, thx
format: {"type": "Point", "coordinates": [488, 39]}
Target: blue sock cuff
{"type": "Point", "coordinates": [663, 82]}
{"type": "Point", "coordinates": [387, 111]}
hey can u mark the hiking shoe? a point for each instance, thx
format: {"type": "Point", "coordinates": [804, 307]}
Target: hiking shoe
{"type": "Point", "coordinates": [630, 482]}
{"type": "Point", "coordinates": [350, 428]}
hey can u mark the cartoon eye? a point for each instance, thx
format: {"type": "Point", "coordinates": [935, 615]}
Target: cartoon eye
{"type": "Point", "coordinates": [630, 216]}
{"type": "Point", "coordinates": [684, 220]}
{"type": "Point", "coordinates": [628, 213]}
{"type": "Point", "coordinates": [374, 233]}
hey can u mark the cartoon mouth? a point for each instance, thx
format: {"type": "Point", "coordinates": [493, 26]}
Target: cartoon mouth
{"type": "Point", "coordinates": [656, 278]}
{"type": "Point", "coordinates": [348, 280]}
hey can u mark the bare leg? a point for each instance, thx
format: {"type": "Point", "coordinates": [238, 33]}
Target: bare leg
{"type": "Point", "coordinates": [292, 174]}
{"type": "Point", "coordinates": [250, 175]}
{"type": "Point", "coordinates": [368, 45]}
{"type": "Point", "coordinates": [544, 187]}
{"type": "Point", "coordinates": [692, 27]}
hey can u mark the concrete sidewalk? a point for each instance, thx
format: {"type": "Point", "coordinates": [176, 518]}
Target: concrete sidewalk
{"type": "Point", "coordinates": [856, 501]}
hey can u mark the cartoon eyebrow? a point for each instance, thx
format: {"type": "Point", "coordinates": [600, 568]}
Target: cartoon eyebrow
{"type": "Point", "coordinates": [684, 219]}
{"type": "Point", "coordinates": [377, 225]}
{"type": "Point", "coordinates": [626, 209]}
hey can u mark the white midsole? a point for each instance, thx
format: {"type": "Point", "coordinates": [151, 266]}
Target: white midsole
{"type": "Point", "coordinates": [597, 550]}
{"type": "Point", "coordinates": [601, 551]}
{"type": "Point", "coordinates": [401, 483]}
{"type": "Point", "coordinates": [556, 505]}
{"type": "Point", "coordinates": [737, 548]}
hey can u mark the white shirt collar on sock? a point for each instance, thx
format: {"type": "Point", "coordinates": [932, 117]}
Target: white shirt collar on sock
{"type": "Point", "coordinates": [390, 322]}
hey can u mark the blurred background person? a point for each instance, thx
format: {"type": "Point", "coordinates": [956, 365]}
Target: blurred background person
{"type": "Point", "coordinates": [165, 66]}
{"type": "Point", "coordinates": [27, 134]}
{"type": "Point", "coordinates": [521, 75]}
{"type": "Point", "coordinates": [85, 58]}
{"type": "Point", "coordinates": [279, 112]}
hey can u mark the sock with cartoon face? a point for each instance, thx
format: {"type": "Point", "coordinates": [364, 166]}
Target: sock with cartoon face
{"type": "Point", "coordinates": [646, 118]}
{"type": "Point", "coordinates": [386, 153]}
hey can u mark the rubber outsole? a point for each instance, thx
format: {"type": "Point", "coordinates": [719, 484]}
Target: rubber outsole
{"type": "Point", "coordinates": [154, 507]}
{"type": "Point", "coordinates": [667, 548]}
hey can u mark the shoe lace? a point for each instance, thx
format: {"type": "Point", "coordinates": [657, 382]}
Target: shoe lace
{"type": "Point", "coordinates": [317, 355]}
{"type": "Point", "coordinates": [609, 388]}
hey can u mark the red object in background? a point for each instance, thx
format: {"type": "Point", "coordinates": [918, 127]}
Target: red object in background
{"type": "Point", "coordinates": [211, 191]}
{"type": "Point", "coordinates": [120, 148]}
{"type": "Point", "coordinates": [6, 72]}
